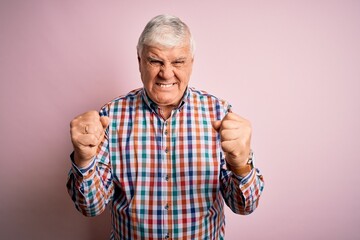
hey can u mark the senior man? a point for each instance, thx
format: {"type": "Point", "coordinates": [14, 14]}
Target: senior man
{"type": "Point", "coordinates": [164, 157]}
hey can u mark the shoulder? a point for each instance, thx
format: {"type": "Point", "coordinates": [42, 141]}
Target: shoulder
{"type": "Point", "coordinates": [203, 97]}
{"type": "Point", "coordinates": [134, 94]}
{"type": "Point", "coordinates": [130, 99]}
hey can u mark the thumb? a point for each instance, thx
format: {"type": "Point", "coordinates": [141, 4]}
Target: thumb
{"type": "Point", "coordinates": [104, 121]}
{"type": "Point", "coordinates": [216, 125]}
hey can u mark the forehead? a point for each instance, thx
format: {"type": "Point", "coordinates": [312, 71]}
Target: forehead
{"type": "Point", "coordinates": [165, 52]}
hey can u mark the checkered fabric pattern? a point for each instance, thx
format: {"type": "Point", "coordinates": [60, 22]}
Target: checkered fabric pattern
{"type": "Point", "coordinates": [163, 179]}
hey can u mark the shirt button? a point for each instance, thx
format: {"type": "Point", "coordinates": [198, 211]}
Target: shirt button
{"type": "Point", "coordinates": [166, 150]}
{"type": "Point", "coordinates": [166, 207]}
{"type": "Point", "coordinates": [166, 177]}
{"type": "Point", "coordinates": [167, 236]}
{"type": "Point", "coordinates": [166, 132]}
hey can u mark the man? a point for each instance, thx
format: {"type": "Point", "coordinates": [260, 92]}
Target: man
{"type": "Point", "coordinates": [164, 157]}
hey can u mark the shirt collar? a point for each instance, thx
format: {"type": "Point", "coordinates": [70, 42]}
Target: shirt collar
{"type": "Point", "coordinates": [153, 106]}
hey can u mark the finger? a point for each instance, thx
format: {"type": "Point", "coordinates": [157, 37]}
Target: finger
{"type": "Point", "coordinates": [89, 140]}
{"type": "Point", "coordinates": [216, 125]}
{"type": "Point", "coordinates": [234, 116]}
{"type": "Point", "coordinates": [92, 128]}
{"type": "Point", "coordinates": [229, 134]}
{"type": "Point", "coordinates": [90, 115]}
{"type": "Point", "coordinates": [230, 124]}
{"type": "Point", "coordinates": [98, 131]}
{"type": "Point", "coordinates": [86, 116]}
{"type": "Point", "coordinates": [230, 147]}
{"type": "Point", "coordinates": [85, 119]}
{"type": "Point", "coordinates": [231, 120]}
{"type": "Point", "coordinates": [104, 121]}
{"type": "Point", "coordinates": [94, 125]}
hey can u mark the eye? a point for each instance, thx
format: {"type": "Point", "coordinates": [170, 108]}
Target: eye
{"type": "Point", "coordinates": [178, 63]}
{"type": "Point", "coordinates": [155, 62]}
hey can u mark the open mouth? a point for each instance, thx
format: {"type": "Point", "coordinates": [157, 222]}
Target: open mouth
{"type": "Point", "coordinates": [165, 85]}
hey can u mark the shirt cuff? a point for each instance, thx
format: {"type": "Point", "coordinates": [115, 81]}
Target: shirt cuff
{"type": "Point", "coordinates": [243, 179]}
{"type": "Point", "coordinates": [82, 171]}
{"type": "Point", "coordinates": [248, 176]}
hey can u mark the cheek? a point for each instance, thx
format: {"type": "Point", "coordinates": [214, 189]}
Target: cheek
{"type": "Point", "coordinates": [184, 78]}
{"type": "Point", "coordinates": [148, 77]}
{"type": "Point", "coordinates": [185, 75]}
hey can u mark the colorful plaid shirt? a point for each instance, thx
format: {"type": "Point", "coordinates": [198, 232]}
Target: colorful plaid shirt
{"type": "Point", "coordinates": [163, 178]}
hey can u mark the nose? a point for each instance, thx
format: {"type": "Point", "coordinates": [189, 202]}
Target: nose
{"type": "Point", "coordinates": [166, 71]}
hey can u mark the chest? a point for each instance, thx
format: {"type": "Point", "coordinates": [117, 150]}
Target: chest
{"type": "Point", "coordinates": [178, 155]}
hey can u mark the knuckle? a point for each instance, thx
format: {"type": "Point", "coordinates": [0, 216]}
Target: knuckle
{"type": "Point", "coordinates": [225, 123]}
{"type": "Point", "coordinates": [91, 138]}
{"type": "Point", "coordinates": [93, 113]}
{"type": "Point", "coordinates": [223, 145]}
{"type": "Point", "coordinates": [224, 135]}
{"type": "Point", "coordinates": [73, 122]}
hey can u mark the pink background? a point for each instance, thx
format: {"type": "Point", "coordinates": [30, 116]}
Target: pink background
{"type": "Point", "coordinates": [291, 67]}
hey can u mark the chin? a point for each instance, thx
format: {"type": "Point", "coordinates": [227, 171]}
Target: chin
{"type": "Point", "coordinates": [167, 102]}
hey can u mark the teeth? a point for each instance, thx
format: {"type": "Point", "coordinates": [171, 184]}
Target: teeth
{"type": "Point", "coordinates": [166, 85]}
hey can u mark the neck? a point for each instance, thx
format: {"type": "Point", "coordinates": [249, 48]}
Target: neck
{"type": "Point", "coordinates": [165, 111]}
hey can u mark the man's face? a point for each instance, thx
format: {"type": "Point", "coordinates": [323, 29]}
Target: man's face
{"type": "Point", "coordinates": [165, 73]}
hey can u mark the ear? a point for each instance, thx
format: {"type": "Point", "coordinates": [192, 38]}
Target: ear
{"type": "Point", "coordinates": [192, 63]}
{"type": "Point", "coordinates": [139, 62]}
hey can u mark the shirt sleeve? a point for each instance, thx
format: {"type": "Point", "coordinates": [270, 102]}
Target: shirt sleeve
{"type": "Point", "coordinates": [91, 188]}
{"type": "Point", "coordinates": [241, 194]}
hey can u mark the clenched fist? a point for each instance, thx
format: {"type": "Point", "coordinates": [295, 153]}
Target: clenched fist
{"type": "Point", "coordinates": [235, 134]}
{"type": "Point", "coordinates": [87, 131]}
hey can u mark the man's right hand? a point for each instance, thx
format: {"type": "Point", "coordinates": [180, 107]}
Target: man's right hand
{"type": "Point", "coordinates": [87, 131]}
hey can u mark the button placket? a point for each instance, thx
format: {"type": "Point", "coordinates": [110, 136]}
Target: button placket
{"type": "Point", "coordinates": [165, 133]}
{"type": "Point", "coordinates": [166, 136]}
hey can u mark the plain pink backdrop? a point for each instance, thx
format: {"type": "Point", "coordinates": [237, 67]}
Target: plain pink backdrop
{"type": "Point", "coordinates": [291, 67]}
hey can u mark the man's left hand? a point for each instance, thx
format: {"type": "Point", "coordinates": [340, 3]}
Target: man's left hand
{"type": "Point", "coordinates": [235, 134]}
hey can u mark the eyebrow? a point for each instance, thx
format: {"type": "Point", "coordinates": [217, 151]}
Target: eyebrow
{"type": "Point", "coordinates": [154, 59]}
{"type": "Point", "coordinates": [151, 58]}
{"type": "Point", "coordinates": [180, 59]}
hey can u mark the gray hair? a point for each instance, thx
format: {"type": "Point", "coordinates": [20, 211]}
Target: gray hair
{"type": "Point", "coordinates": [165, 30]}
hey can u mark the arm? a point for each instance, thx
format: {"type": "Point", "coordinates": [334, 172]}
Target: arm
{"type": "Point", "coordinates": [241, 194]}
{"type": "Point", "coordinates": [90, 181]}
{"type": "Point", "coordinates": [241, 185]}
